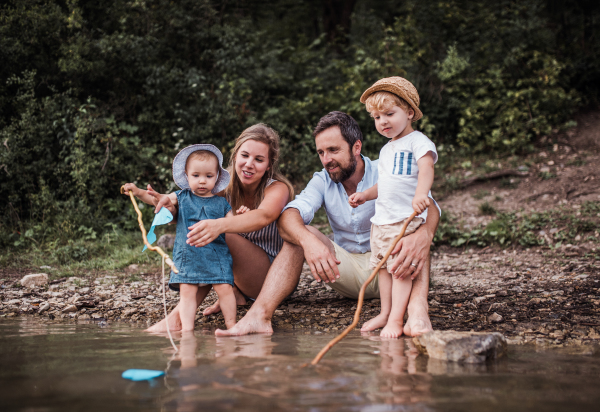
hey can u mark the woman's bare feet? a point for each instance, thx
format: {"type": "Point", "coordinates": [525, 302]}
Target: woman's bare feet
{"type": "Point", "coordinates": [216, 307]}
{"type": "Point", "coordinates": [393, 329]}
{"type": "Point", "coordinates": [377, 322]}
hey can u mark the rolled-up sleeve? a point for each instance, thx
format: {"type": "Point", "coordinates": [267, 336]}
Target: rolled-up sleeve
{"type": "Point", "coordinates": [310, 199]}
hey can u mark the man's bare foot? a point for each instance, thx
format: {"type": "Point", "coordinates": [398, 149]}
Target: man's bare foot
{"type": "Point", "coordinates": [161, 327]}
{"type": "Point", "coordinates": [240, 300]}
{"type": "Point", "coordinates": [377, 322]}
{"type": "Point", "coordinates": [418, 322]}
{"type": "Point", "coordinates": [392, 330]}
{"type": "Point", "coordinates": [247, 325]}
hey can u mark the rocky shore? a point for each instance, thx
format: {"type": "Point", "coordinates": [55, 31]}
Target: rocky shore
{"type": "Point", "coordinates": [537, 296]}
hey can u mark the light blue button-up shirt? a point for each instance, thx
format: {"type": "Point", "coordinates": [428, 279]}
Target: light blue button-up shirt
{"type": "Point", "coordinates": [351, 227]}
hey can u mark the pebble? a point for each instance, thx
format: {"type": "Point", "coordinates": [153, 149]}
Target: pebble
{"type": "Point", "coordinates": [44, 306]}
{"type": "Point", "coordinates": [70, 308]}
{"type": "Point", "coordinates": [495, 318]}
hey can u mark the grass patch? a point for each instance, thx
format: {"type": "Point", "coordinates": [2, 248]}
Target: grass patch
{"type": "Point", "coordinates": [486, 209]}
{"type": "Point", "coordinates": [480, 194]}
{"type": "Point", "coordinates": [111, 252]}
{"type": "Point", "coordinates": [524, 229]}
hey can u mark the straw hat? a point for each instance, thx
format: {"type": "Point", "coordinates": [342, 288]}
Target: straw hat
{"type": "Point", "coordinates": [180, 160]}
{"type": "Point", "coordinates": [401, 88]}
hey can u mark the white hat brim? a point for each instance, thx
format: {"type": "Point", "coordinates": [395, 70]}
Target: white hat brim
{"type": "Point", "coordinates": [180, 160]}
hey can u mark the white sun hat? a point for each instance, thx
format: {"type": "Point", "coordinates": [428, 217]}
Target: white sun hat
{"type": "Point", "coordinates": [180, 160]}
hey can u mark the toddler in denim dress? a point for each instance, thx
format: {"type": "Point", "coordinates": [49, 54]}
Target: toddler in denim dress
{"type": "Point", "coordinates": [198, 172]}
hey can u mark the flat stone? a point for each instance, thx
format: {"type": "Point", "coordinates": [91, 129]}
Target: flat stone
{"type": "Point", "coordinates": [467, 347]}
{"type": "Point", "coordinates": [44, 306]}
{"type": "Point", "coordinates": [70, 308]}
{"type": "Point", "coordinates": [34, 280]}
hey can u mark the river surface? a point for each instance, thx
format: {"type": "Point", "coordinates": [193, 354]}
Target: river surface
{"type": "Point", "coordinates": [77, 367]}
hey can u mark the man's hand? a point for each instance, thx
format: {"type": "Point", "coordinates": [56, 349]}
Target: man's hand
{"type": "Point", "coordinates": [161, 201]}
{"type": "Point", "coordinates": [357, 199]}
{"type": "Point", "coordinates": [323, 265]}
{"type": "Point", "coordinates": [420, 203]}
{"type": "Point", "coordinates": [413, 251]}
{"type": "Point", "coordinates": [203, 232]}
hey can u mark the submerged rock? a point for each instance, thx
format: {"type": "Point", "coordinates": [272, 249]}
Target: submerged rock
{"type": "Point", "coordinates": [34, 280]}
{"type": "Point", "coordinates": [468, 347]}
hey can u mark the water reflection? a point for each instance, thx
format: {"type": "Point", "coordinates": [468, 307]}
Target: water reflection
{"type": "Point", "coordinates": [65, 367]}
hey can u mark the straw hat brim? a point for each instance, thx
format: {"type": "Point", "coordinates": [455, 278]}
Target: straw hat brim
{"type": "Point", "coordinates": [392, 88]}
{"type": "Point", "coordinates": [180, 160]}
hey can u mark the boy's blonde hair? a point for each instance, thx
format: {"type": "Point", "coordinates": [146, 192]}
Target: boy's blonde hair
{"type": "Point", "coordinates": [381, 101]}
{"type": "Point", "coordinates": [201, 155]}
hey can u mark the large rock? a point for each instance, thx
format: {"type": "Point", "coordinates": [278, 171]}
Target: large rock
{"type": "Point", "coordinates": [166, 241]}
{"type": "Point", "coordinates": [468, 347]}
{"type": "Point", "coordinates": [34, 280]}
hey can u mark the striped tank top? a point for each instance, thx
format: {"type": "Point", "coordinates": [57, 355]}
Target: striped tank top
{"type": "Point", "coordinates": [267, 238]}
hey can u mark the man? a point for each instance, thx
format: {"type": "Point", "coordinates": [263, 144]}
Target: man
{"type": "Point", "coordinates": [343, 263]}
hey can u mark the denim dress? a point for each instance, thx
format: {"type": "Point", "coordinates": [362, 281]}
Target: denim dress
{"type": "Point", "coordinates": [209, 264]}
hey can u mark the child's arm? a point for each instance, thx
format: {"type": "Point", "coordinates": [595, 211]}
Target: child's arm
{"type": "Point", "coordinates": [359, 198]}
{"type": "Point", "coordinates": [167, 201]}
{"type": "Point", "coordinates": [421, 200]}
{"type": "Point", "coordinates": [139, 193]}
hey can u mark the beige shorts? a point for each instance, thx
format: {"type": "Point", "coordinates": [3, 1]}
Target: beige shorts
{"type": "Point", "coordinates": [354, 271]}
{"type": "Point", "coordinates": [382, 237]}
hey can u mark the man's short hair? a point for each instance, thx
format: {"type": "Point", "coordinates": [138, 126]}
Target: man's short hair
{"type": "Point", "coordinates": [348, 126]}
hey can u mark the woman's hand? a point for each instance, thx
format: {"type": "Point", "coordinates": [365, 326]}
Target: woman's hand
{"type": "Point", "coordinates": [161, 201]}
{"type": "Point", "coordinates": [204, 232]}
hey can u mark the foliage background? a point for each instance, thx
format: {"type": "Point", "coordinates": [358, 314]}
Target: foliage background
{"type": "Point", "coordinates": [96, 94]}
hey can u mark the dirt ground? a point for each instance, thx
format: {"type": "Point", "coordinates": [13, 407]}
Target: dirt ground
{"type": "Point", "coordinates": [545, 295]}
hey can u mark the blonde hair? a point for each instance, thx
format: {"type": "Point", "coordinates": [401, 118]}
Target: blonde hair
{"type": "Point", "coordinates": [201, 155]}
{"type": "Point", "coordinates": [382, 101]}
{"type": "Point", "coordinates": [261, 133]}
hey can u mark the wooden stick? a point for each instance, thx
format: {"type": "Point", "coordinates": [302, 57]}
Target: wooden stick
{"type": "Point", "coordinates": [361, 294]}
{"type": "Point", "coordinates": [168, 260]}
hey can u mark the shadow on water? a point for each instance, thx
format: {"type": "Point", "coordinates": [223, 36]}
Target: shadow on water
{"type": "Point", "coordinates": [78, 367]}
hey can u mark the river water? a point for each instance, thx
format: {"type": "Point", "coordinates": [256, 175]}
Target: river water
{"type": "Point", "coordinates": [72, 367]}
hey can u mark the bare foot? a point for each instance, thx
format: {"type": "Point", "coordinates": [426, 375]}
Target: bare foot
{"type": "Point", "coordinates": [216, 307]}
{"type": "Point", "coordinates": [377, 322]}
{"type": "Point", "coordinates": [392, 330]}
{"type": "Point", "coordinates": [161, 327]}
{"type": "Point", "coordinates": [418, 322]}
{"type": "Point", "coordinates": [247, 325]}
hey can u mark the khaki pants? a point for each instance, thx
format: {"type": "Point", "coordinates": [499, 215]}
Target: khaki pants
{"type": "Point", "coordinates": [354, 271]}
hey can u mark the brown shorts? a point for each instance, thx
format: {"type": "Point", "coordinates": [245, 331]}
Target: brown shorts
{"type": "Point", "coordinates": [382, 237]}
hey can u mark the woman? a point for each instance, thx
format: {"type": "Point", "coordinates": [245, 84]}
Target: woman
{"type": "Point", "coordinates": [258, 185]}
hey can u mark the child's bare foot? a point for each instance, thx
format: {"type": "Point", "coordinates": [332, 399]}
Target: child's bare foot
{"type": "Point", "coordinates": [377, 322]}
{"type": "Point", "coordinates": [392, 330]}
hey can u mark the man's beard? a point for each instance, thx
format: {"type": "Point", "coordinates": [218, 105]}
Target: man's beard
{"type": "Point", "coordinates": [344, 173]}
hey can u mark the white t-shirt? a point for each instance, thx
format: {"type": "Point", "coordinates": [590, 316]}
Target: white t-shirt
{"type": "Point", "coordinates": [398, 177]}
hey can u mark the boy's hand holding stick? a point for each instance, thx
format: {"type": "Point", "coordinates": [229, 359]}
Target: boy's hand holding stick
{"type": "Point", "coordinates": [361, 294]}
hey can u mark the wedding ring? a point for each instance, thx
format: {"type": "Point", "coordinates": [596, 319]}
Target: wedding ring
{"type": "Point", "coordinates": [412, 264]}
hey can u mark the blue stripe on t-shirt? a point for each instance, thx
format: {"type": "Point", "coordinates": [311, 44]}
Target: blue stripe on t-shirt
{"type": "Point", "coordinates": [395, 159]}
{"type": "Point", "coordinates": [401, 169]}
{"type": "Point", "coordinates": [409, 163]}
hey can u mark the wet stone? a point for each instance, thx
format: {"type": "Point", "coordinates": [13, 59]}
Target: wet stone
{"type": "Point", "coordinates": [467, 347]}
